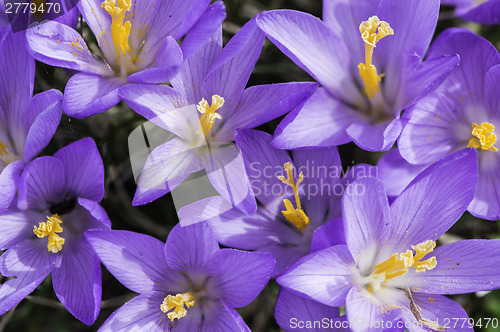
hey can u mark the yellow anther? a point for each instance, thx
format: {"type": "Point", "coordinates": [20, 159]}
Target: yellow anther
{"type": "Point", "coordinates": [177, 303]}
{"type": "Point", "coordinates": [398, 264]}
{"type": "Point", "coordinates": [50, 228]}
{"type": "Point", "coordinates": [3, 149]}
{"type": "Point", "coordinates": [209, 112]}
{"type": "Point", "coordinates": [119, 30]}
{"type": "Point", "coordinates": [484, 137]}
{"type": "Point", "coordinates": [372, 31]}
{"type": "Point", "coordinates": [296, 216]}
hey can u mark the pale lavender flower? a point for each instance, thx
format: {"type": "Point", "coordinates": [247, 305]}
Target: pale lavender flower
{"type": "Point", "coordinates": [390, 269]}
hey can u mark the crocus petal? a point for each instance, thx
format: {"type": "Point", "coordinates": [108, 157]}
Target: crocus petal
{"type": "Point", "coordinates": [99, 218]}
{"type": "Point", "coordinates": [491, 91]}
{"type": "Point", "coordinates": [343, 17]}
{"type": "Point", "coordinates": [77, 281]}
{"type": "Point", "coordinates": [141, 313]}
{"type": "Point", "coordinates": [219, 316]}
{"type": "Point", "coordinates": [413, 24]}
{"type": "Point", "coordinates": [264, 164]}
{"type": "Point", "coordinates": [200, 56]}
{"type": "Point", "coordinates": [232, 68]}
{"type": "Point", "coordinates": [136, 260]}
{"type": "Point", "coordinates": [193, 248]}
{"type": "Point", "coordinates": [192, 321]}
{"type": "Point", "coordinates": [328, 235]}
{"type": "Point", "coordinates": [263, 103]}
{"type": "Point", "coordinates": [434, 200]}
{"type": "Point", "coordinates": [396, 173]}
{"type": "Point", "coordinates": [17, 70]}
{"type": "Point", "coordinates": [321, 169]}
{"type": "Point", "coordinates": [203, 209]}
{"type": "Point", "coordinates": [486, 202]}
{"type": "Point", "coordinates": [477, 56]}
{"type": "Point", "coordinates": [99, 22]}
{"type": "Point", "coordinates": [163, 68]}
{"type": "Point", "coordinates": [313, 47]}
{"type": "Point", "coordinates": [236, 229]}
{"type": "Point", "coordinates": [243, 275]}
{"type": "Point", "coordinates": [9, 179]}
{"type": "Point", "coordinates": [141, 16]}
{"type": "Point", "coordinates": [59, 45]}
{"type": "Point", "coordinates": [90, 94]}
{"type": "Point", "coordinates": [158, 103]}
{"type": "Point", "coordinates": [206, 30]}
{"type": "Point", "coordinates": [166, 167]}
{"type": "Point", "coordinates": [286, 255]}
{"type": "Point", "coordinates": [30, 262]}
{"type": "Point", "coordinates": [226, 172]}
{"type": "Point", "coordinates": [321, 121]}
{"type": "Point", "coordinates": [366, 214]}
{"type": "Point", "coordinates": [428, 135]}
{"type": "Point", "coordinates": [292, 308]}
{"type": "Point", "coordinates": [46, 109]}
{"type": "Point", "coordinates": [16, 226]}
{"type": "Point", "coordinates": [485, 13]}
{"type": "Point", "coordinates": [440, 309]}
{"type": "Point", "coordinates": [361, 312]}
{"type": "Point", "coordinates": [420, 79]}
{"type": "Point", "coordinates": [462, 267]}
{"type": "Point", "coordinates": [323, 276]}
{"type": "Point", "coordinates": [375, 137]}
{"type": "Point", "coordinates": [83, 169]}
{"type": "Point", "coordinates": [174, 18]}
{"type": "Point", "coordinates": [355, 172]}
{"type": "Point", "coordinates": [43, 180]}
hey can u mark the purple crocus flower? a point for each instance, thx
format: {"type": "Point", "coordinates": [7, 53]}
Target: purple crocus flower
{"type": "Point", "coordinates": [481, 11]}
{"type": "Point", "coordinates": [390, 269]}
{"type": "Point", "coordinates": [366, 81]}
{"type": "Point", "coordinates": [26, 123]}
{"type": "Point", "coordinates": [57, 202]}
{"type": "Point", "coordinates": [463, 112]}
{"type": "Point", "coordinates": [185, 284]}
{"type": "Point", "coordinates": [214, 79]}
{"type": "Point", "coordinates": [299, 200]}
{"type": "Point", "coordinates": [137, 40]}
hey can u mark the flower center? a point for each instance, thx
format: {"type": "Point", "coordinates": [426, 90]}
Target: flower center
{"type": "Point", "coordinates": [178, 303]}
{"type": "Point", "coordinates": [50, 228]}
{"type": "Point", "coordinates": [484, 137]}
{"type": "Point", "coordinates": [399, 264]}
{"type": "Point", "coordinates": [3, 150]}
{"type": "Point", "coordinates": [119, 30]}
{"type": "Point", "coordinates": [209, 113]}
{"type": "Point", "coordinates": [296, 216]}
{"type": "Point", "coordinates": [372, 31]}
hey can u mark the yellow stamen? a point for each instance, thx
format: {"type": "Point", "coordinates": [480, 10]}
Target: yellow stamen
{"type": "Point", "coordinates": [50, 228]}
{"type": "Point", "coordinates": [119, 30]}
{"type": "Point", "coordinates": [484, 137]}
{"type": "Point", "coordinates": [209, 113]}
{"type": "Point", "coordinates": [3, 149]}
{"type": "Point", "coordinates": [372, 31]}
{"type": "Point", "coordinates": [295, 216]}
{"type": "Point", "coordinates": [177, 303]}
{"type": "Point", "coordinates": [398, 264]}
